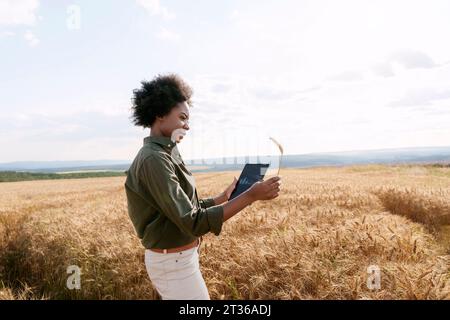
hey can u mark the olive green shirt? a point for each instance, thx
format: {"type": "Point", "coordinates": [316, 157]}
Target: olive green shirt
{"type": "Point", "coordinates": [162, 198]}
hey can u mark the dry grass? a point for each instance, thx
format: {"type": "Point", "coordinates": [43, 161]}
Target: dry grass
{"type": "Point", "coordinates": [313, 242]}
{"type": "Point", "coordinates": [431, 208]}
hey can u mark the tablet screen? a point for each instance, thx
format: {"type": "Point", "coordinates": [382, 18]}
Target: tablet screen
{"type": "Point", "coordinates": [252, 173]}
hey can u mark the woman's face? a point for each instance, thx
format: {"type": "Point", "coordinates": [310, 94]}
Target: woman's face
{"type": "Point", "coordinates": [176, 123]}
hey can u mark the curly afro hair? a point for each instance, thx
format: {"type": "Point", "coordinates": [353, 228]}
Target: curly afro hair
{"type": "Point", "coordinates": [156, 98]}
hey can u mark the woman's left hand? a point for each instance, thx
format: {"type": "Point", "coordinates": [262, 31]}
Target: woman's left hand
{"type": "Point", "coordinates": [230, 189]}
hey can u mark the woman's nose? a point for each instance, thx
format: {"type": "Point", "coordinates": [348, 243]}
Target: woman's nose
{"type": "Point", "coordinates": [186, 125]}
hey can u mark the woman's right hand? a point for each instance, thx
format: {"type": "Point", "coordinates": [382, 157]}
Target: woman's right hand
{"type": "Point", "coordinates": [265, 190]}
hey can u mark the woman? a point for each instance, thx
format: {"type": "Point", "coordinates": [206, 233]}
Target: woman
{"type": "Point", "coordinates": [163, 204]}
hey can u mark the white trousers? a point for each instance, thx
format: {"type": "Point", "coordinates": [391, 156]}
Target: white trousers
{"type": "Point", "coordinates": [176, 276]}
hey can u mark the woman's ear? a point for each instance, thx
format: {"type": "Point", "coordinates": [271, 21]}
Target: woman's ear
{"type": "Point", "coordinates": [160, 119]}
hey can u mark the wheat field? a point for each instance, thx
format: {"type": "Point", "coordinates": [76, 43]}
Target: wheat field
{"type": "Point", "coordinates": [315, 241]}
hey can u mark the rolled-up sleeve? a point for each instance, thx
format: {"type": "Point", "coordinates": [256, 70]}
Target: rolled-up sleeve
{"type": "Point", "coordinates": [157, 173]}
{"type": "Point", "coordinates": [207, 202]}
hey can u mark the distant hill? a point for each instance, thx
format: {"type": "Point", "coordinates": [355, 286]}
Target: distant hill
{"type": "Point", "coordinates": [383, 156]}
{"type": "Point", "coordinates": [12, 176]}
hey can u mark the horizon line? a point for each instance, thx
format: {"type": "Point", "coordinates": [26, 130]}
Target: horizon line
{"type": "Point", "coordinates": [239, 156]}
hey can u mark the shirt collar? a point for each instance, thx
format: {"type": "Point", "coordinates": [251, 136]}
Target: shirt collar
{"type": "Point", "coordinates": [161, 140]}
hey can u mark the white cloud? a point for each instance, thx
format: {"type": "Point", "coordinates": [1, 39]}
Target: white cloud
{"type": "Point", "coordinates": [165, 34]}
{"type": "Point", "coordinates": [421, 97]}
{"type": "Point", "coordinates": [155, 8]}
{"type": "Point", "coordinates": [80, 135]}
{"type": "Point", "coordinates": [273, 63]}
{"type": "Point", "coordinates": [322, 38]}
{"type": "Point", "coordinates": [407, 59]}
{"type": "Point", "coordinates": [18, 12]}
{"type": "Point", "coordinates": [394, 63]}
{"type": "Point", "coordinates": [31, 38]}
{"type": "Point", "coordinates": [411, 59]}
{"type": "Point", "coordinates": [347, 76]}
{"type": "Point", "coordinates": [6, 34]}
{"type": "Point", "coordinates": [233, 115]}
{"type": "Point", "coordinates": [78, 126]}
{"type": "Point", "coordinates": [383, 69]}
{"type": "Point", "coordinates": [317, 117]}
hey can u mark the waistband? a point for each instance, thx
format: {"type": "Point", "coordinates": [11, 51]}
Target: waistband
{"type": "Point", "coordinates": [178, 249]}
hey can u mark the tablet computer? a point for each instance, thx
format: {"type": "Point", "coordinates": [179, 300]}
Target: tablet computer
{"type": "Point", "coordinates": [252, 173]}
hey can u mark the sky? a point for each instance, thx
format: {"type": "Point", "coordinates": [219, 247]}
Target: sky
{"type": "Point", "coordinates": [317, 76]}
